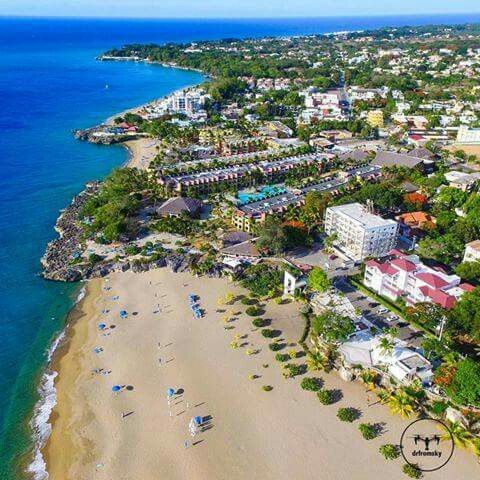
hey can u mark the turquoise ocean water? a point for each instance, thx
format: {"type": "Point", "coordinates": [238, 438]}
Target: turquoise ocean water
{"type": "Point", "coordinates": [50, 84]}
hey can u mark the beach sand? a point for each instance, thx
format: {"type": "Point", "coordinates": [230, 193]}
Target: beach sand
{"type": "Point", "coordinates": [142, 152]}
{"type": "Point", "coordinates": [252, 434]}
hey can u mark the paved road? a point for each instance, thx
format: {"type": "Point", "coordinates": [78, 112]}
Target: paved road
{"type": "Point", "coordinates": [376, 313]}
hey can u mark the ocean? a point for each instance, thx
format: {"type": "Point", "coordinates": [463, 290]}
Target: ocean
{"type": "Point", "coordinates": [50, 84]}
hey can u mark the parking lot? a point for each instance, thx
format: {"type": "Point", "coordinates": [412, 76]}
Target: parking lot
{"type": "Point", "coordinates": [377, 314]}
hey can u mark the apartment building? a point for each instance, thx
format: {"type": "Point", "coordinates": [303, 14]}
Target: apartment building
{"type": "Point", "coordinates": [359, 232]}
{"type": "Point", "coordinates": [400, 275]}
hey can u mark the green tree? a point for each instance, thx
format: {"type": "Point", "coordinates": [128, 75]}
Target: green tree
{"type": "Point", "coordinates": [332, 327]}
{"type": "Point", "coordinates": [464, 317]}
{"type": "Point", "coordinates": [272, 237]}
{"type": "Point", "coordinates": [464, 388]}
{"type": "Point", "coordinates": [469, 270]}
{"type": "Point", "coordinates": [318, 280]}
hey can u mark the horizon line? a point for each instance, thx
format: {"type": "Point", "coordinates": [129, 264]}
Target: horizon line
{"type": "Point", "coordinates": [261, 17]}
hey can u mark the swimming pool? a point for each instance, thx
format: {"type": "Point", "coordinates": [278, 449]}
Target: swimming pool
{"type": "Point", "coordinates": [265, 192]}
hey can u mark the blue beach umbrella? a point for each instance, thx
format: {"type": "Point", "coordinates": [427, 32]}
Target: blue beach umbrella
{"type": "Point", "coordinates": [101, 326]}
{"type": "Point", "coordinates": [198, 420]}
{"type": "Point", "coordinates": [170, 392]}
{"type": "Point", "coordinates": [116, 388]}
{"type": "Point", "coordinates": [123, 313]}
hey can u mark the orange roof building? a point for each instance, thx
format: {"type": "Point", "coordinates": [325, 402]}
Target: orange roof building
{"type": "Point", "coordinates": [420, 220]}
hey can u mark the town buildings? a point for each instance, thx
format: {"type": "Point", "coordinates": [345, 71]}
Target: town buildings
{"type": "Point", "coordinates": [405, 276]}
{"type": "Point", "coordinates": [359, 233]}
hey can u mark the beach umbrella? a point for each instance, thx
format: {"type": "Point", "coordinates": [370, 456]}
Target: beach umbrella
{"type": "Point", "coordinates": [170, 392]}
{"type": "Point", "coordinates": [198, 420]}
{"type": "Point", "coordinates": [101, 326]}
{"type": "Point", "coordinates": [116, 388]}
{"type": "Point", "coordinates": [123, 313]}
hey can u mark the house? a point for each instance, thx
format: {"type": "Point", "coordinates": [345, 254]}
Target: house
{"type": "Point", "coordinates": [401, 363]}
{"type": "Point", "coordinates": [468, 136]}
{"type": "Point", "coordinates": [415, 223]}
{"type": "Point", "coordinates": [234, 238]}
{"type": "Point", "coordinates": [244, 251]}
{"type": "Point", "coordinates": [359, 233]}
{"type": "Point", "coordinates": [400, 275]}
{"type": "Point", "coordinates": [295, 279]}
{"type": "Point", "coordinates": [472, 251]}
{"type": "Point", "coordinates": [375, 118]}
{"type": "Point", "coordinates": [392, 159]}
{"type": "Point", "coordinates": [463, 181]}
{"type": "Point", "coordinates": [176, 206]}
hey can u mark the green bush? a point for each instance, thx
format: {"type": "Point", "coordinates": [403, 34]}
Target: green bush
{"type": "Point", "coordinates": [311, 384]}
{"type": "Point", "coordinates": [325, 396]}
{"type": "Point", "coordinates": [275, 347]}
{"type": "Point", "coordinates": [389, 451]}
{"type": "Point", "coordinates": [347, 414]}
{"type": "Point", "coordinates": [282, 357]}
{"type": "Point", "coordinates": [438, 407]}
{"type": "Point", "coordinates": [259, 322]}
{"type": "Point", "coordinates": [368, 431]}
{"type": "Point", "coordinates": [268, 333]}
{"type": "Point", "coordinates": [267, 388]}
{"type": "Point", "coordinates": [248, 301]}
{"type": "Point", "coordinates": [412, 471]}
{"type": "Point", "coordinates": [252, 311]}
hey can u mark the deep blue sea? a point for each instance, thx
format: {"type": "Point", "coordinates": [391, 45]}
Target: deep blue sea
{"type": "Point", "coordinates": [50, 84]}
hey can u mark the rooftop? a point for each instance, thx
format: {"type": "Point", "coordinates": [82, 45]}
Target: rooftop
{"type": "Point", "coordinates": [359, 214]}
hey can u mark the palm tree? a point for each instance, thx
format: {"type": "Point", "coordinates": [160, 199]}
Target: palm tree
{"type": "Point", "coordinates": [369, 378]}
{"type": "Point", "coordinates": [399, 403]}
{"type": "Point", "coordinates": [461, 437]}
{"type": "Point", "coordinates": [385, 345]}
{"type": "Point", "coordinates": [316, 361]}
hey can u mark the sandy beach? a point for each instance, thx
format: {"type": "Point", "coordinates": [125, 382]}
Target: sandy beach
{"type": "Point", "coordinates": [248, 433]}
{"type": "Point", "coordinates": [142, 151]}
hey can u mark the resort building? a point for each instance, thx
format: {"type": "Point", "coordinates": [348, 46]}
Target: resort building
{"type": "Point", "coordinates": [246, 216]}
{"type": "Point", "coordinates": [177, 206]}
{"type": "Point", "coordinates": [236, 176]}
{"type": "Point", "coordinates": [188, 102]}
{"type": "Point", "coordinates": [472, 252]}
{"type": "Point", "coordinates": [400, 275]}
{"type": "Point", "coordinates": [359, 233]}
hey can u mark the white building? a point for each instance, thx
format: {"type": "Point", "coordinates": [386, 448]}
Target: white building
{"type": "Point", "coordinates": [189, 102]}
{"type": "Point", "coordinates": [360, 233]}
{"type": "Point", "coordinates": [472, 252]}
{"type": "Point", "coordinates": [463, 181]}
{"type": "Point", "coordinates": [468, 136]}
{"type": "Point", "coordinates": [406, 276]}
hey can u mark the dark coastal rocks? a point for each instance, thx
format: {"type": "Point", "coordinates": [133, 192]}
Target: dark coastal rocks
{"type": "Point", "coordinates": [57, 260]}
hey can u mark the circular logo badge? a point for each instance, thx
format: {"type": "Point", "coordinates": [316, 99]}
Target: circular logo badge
{"type": "Point", "coordinates": [427, 443]}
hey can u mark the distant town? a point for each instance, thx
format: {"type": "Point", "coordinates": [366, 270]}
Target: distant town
{"type": "Point", "coordinates": [339, 171]}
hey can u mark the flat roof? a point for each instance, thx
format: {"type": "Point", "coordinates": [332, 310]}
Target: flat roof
{"type": "Point", "coordinates": [359, 214]}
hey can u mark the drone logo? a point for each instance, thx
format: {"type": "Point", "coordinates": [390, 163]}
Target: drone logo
{"type": "Point", "coordinates": [427, 450]}
{"type": "Point", "coordinates": [426, 440]}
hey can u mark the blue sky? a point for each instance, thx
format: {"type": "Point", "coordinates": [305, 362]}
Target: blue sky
{"type": "Point", "coordinates": [233, 8]}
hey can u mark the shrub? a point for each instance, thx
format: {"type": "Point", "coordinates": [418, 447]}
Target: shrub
{"type": "Point", "coordinates": [389, 451]}
{"type": "Point", "coordinates": [267, 388]}
{"type": "Point", "coordinates": [347, 414]}
{"type": "Point", "coordinates": [282, 357]}
{"type": "Point", "coordinates": [294, 369]}
{"type": "Point", "coordinates": [252, 311]}
{"type": "Point", "coordinates": [274, 347]}
{"type": "Point", "coordinates": [268, 333]}
{"type": "Point", "coordinates": [259, 322]}
{"type": "Point", "coordinates": [368, 431]}
{"type": "Point", "coordinates": [412, 471]}
{"type": "Point", "coordinates": [438, 407]}
{"type": "Point", "coordinates": [325, 396]}
{"type": "Point", "coordinates": [311, 384]}
{"type": "Point", "coordinates": [248, 301]}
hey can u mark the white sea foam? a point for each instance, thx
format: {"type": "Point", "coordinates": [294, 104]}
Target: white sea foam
{"type": "Point", "coordinates": [40, 424]}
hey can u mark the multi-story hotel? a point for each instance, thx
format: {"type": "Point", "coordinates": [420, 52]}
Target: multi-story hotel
{"type": "Point", "coordinates": [360, 233]}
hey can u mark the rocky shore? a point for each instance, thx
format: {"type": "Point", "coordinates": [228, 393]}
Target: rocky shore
{"type": "Point", "coordinates": [64, 259]}
{"type": "Point", "coordinates": [91, 135]}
